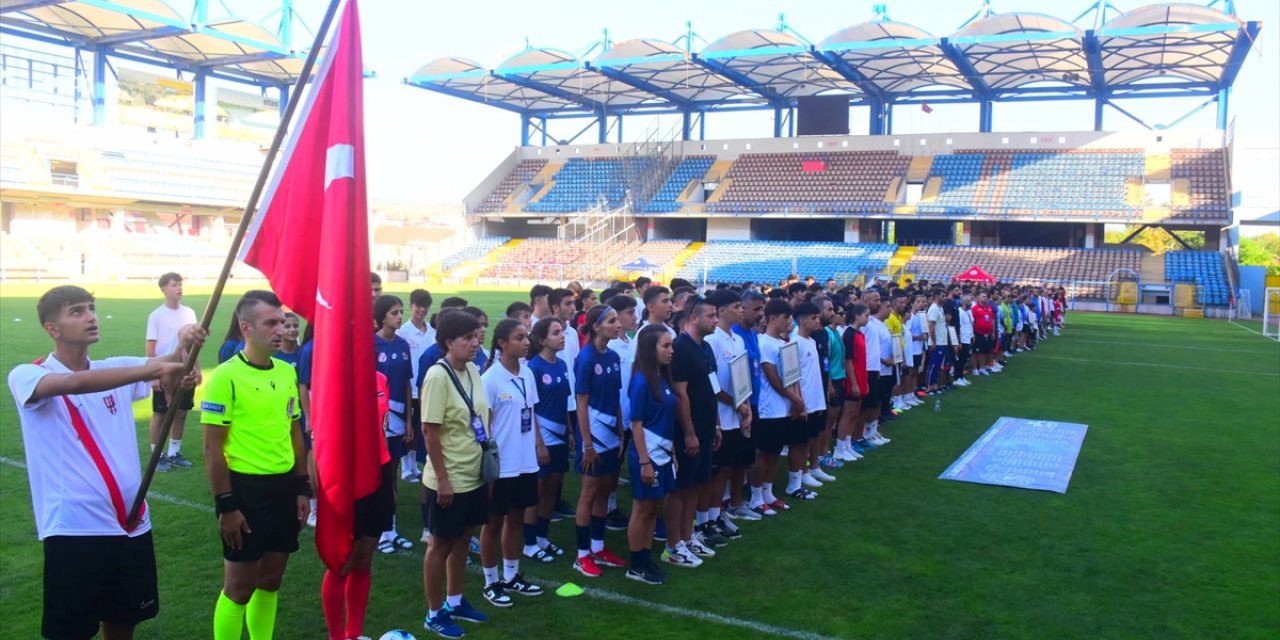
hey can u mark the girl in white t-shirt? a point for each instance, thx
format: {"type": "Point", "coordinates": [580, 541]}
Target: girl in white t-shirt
{"type": "Point", "coordinates": [512, 393]}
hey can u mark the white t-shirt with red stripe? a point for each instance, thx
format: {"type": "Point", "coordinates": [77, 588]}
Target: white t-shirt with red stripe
{"type": "Point", "coordinates": [68, 493]}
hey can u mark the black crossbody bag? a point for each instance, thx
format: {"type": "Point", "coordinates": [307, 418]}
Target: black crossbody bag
{"type": "Point", "coordinates": [490, 464]}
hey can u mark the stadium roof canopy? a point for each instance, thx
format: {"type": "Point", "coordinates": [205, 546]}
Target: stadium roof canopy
{"type": "Point", "coordinates": [1165, 50]}
{"type": "Point", "coordinates": [153, 32]}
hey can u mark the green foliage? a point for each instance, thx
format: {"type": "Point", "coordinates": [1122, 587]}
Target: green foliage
{"type": "Point", "coordinates": [1262, 250]}
{"type": "Point", "coordinates": [1155, 239]}
{"type": "Point", "coordinates": [1171, 527]}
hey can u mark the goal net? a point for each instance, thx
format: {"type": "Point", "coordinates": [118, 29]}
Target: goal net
{"type": "Point", "coordinates": [1271, 313]}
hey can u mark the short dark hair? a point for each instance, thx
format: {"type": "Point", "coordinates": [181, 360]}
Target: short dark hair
{"type": "Point", "coordinates": [777, 307]}
{"type": "Point", "coordinates": [452, 325]}
{"type": "Point", "coordinates": [796, 287]}
{"type": "Point", "coordinates": [653, 292]}
{"type": "Point", "coordinates": [53, 301]}
{"type": "Point", "coordinates": [250, 299]}
{"type": "Point", "coordinates": [695, 304]}
{"type": "Point", "coordinates": [609, 293]}
{"type": "Point", "coordinates": [643, 281]}
{"type": "Point", "coordinates": [516, 308]}
{"type": "Point", "coordinates": [477, 313]}
{"type": "Point", "coordinates": [676, 283]}
{"type": "Point", "coordinates": [805, 309]}
{"type": "Point", "coordinates": [751, 295]}
{"type": "Point", "coordinates": [621, 303]}
{"type": "Point", "coordinates": [538, 291]}
{"type": "Point", "coordinates": [723, 298]}
{"type": "Point", "coordinates": [374, 278]}
{"type": "Point", "coordinates": [169, 277]}
{"type": "Point", "coordinates": [420, 298]}
{"type": "Point", "coordinates": [453, 302]}
{"type": "Point", "coordinates": [383, 305]}
{"type": "Point", "coordinates": [557, 296]}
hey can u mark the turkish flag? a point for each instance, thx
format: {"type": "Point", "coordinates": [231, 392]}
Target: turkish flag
{"type": "Point", "coordinates": [311, 239]}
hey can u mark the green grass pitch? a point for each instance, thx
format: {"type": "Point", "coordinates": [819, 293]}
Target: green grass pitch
{"type": "Point", "coordinates": [1171, 527]}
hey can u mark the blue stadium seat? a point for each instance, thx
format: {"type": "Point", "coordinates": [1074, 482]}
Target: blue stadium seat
{"type": "Point", "coordinates": [771, 260]}
{"type": "Point", "coordinates": [472, 251]}
{"type": "Point", "coordinates": [1203, 269]}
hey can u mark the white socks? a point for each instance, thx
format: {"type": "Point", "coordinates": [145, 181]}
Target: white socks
{"type": "Point", "coordinates": [509, 569]}
{"type": "Point", "coordinates": [793, 480]}
{"type": "Point", "coordinates": [490, 575]}
{"type": "Point", "coordinates": [597, 546]}
{"type": "Point", "coordinates": [768, 493]}
{"type": "Point", "coordinates": [757, 496]}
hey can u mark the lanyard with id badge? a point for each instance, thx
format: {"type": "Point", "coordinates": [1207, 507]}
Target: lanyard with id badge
{"type": "Point", "coordinates": [490, 465]}
{"type": "Point", "coordinates": [526, 412]}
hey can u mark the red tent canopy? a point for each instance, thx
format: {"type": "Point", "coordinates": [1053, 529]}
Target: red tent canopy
{"type": "Point", "coordinates": [975, 274]}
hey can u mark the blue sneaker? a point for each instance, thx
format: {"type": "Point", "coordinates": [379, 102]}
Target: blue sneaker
{"type": "Point", "coordinates": [474, 546]}
{"type": "Point", "coordinates": [467, 612]}
{"type": "Point", "coordinates": [443, 625]}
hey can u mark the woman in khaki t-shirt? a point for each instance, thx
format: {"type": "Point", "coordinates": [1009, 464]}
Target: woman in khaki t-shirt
{"type": "Point", "coordinates": [457, 501]}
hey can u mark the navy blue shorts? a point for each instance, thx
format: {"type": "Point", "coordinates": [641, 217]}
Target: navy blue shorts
{"type": "Point", "coordinates": [815, 424]}
{"type": "Point", "coordinates": [692, 471]}
{"type": "Point", "coordinates": [736, 450]}
{"type": "Point", "coordinates": [665, 474]}
{"type": "Point", "coordinates": [557, 462]}
{"type": "Point", "coordinates": [395, 447]}
{"type": "Point", "coordinates": [609, 464]}
{"type": "Point", "coordinates": [771, 434]}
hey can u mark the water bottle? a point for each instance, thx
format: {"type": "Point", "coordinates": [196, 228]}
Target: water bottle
{"type": "Point", "coordinates": [937, 404]}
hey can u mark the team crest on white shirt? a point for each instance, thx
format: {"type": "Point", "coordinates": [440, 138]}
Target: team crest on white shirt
{"type": "Point", "coordinates": [110, 402]}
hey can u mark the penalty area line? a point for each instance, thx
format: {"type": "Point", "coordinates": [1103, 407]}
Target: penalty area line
{"type": "Point", "coordinates": [591, 592]}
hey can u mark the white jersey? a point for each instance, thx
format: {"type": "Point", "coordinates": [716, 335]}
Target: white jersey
{"type": "Point", "coordinates": [68, 493]}
{"type": "Point", "coordinates": [966, 325]}
{"type": "Point", "coordinates": [418, 343]}
{"type": "Point", "coordinates": [771, 405]}
{"type": "Point", "coordinates": [938, 317]}
{"type": "Point", "coordinates": [811, 389]}
{"type": "Point", "coordinates": [726, 346]}
{"type": "Point", "coordinates": [511, 401]}
{"type": "Point", "coordinates": [164, 324]}
{"type": "Point", "coordinates": [626, 349]}
{"type": "Point", "coordinates": [570, 352]}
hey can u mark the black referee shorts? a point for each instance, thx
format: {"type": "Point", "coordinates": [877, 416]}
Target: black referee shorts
{"type": "Point", "coordinates": [269, 504]}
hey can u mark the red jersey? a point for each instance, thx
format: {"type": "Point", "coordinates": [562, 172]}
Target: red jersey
{"type": "Point", "coordinates": [984, 320]}
{"type": "Point", "coordinates": [855, 349]}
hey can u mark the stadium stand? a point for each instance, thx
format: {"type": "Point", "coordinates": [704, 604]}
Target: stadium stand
{"type": "Point", "coordinates": [549, 260]}
{"type": "Point", "coordinates": [473, 251]}
{"type": "Point", "coordinates": [1082, 182]}
{"type": "Point", "coordinates": [855, 181]}
{"type": "Point", "coordinates": [690, 169]}
{"type": "Point", "coordinates": [1204, 269]}
{"type": "Point", "coordinates": [581, 183]}
{"type": "Point", "coordinates": [764, 261]}
{"type": "Point", "coordinates": [1206, 193]}
{"type": "Point", "coordinates": [521, 174]}
{"type": "Point", "coordinates": [1090, 268]}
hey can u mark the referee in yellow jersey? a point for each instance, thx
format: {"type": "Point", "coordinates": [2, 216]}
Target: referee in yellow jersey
{"type": "Point", "coordinates": [257, 466]}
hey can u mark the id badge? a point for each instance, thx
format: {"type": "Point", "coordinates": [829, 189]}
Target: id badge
{"type": "Point", "coordinates": [526, 420]}
{"type": "Point", "coordinates": [715, 382]}
{"type": "Point", "coordinates": [477, 425]}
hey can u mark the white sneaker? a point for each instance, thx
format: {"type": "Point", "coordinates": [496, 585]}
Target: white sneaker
{"type": "Point", "coordinates": [785, 451]}
{"type": "Point", "coordinates": [878, 440]}
{"type": "Point", "coordinates": [311, 518]}
{"type": "Point", "coordinates": [697, 549]}
{"type": "Point", "coordinates": [426, 537]}
{"type": "Point", "coordinates": [809, 481]}
{"type": "Point", "coordinates": [963, 382]}
{"type": "Point", "coordinates": [743, 513]}
{"type": "Point", "coordinates": [915, 402]}
{"type": "Point", "coordinates": [822, 475]}
{"type": "Point", "coordinates": [845, 454]}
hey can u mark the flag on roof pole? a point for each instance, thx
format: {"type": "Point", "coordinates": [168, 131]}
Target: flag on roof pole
{"type": "Point", "coordinates": [311, 239]}
{"type": "Point", "coordinates": [924, 106]}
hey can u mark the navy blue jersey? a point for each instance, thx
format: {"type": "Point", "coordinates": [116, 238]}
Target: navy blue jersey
{"type": "Point", "coordinates": [658, 415]}
{"type": "Point", "coordinates": [599, 375]}
{"type": "Point", "coordinates": [229, 349]}
{"type": "Point", "coordinates": [433, 354]}
{"type": "Point", "coordinates": [553, 389]}
{"type": "Point", "coordinates": [291, 358]}
{"type": "Point", "coordinates": [393, 362]}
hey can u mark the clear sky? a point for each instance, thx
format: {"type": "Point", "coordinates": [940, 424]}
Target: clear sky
{"type": "Point", "coordinates": [428, 147]}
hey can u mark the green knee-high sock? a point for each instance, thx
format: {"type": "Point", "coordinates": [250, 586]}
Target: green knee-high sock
{"type": "Point", "coordinates": [260, 614]}
{"type": "Point", "coordinates": [228, 619]}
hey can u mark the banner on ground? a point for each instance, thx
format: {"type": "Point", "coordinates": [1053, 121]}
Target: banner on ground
{"type": "Point", "coordinates": [1027, 454]}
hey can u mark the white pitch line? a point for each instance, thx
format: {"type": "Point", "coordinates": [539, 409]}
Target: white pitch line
{"type": "Point", "coordinates": [1180, 347]}
{"type": "Point", "coordinates": [1156, 365]}
{"type": "Point", "coordinates": [592, 592]}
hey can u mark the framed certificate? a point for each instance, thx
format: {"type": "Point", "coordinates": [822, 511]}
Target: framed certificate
{"type": "Point", "coordinates": [897, 350]}
{"type": "Point", "coordinates": [740, 375]}
{"type": "Point", "coordinates": [790, 356]}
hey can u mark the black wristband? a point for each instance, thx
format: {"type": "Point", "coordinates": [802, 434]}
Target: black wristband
{"type": "Point", "coordinates": [647, 463]}
{"type": "Point", "coordinates": [225, 503]}
{"type": "Point", "coordinates": [304, 487]}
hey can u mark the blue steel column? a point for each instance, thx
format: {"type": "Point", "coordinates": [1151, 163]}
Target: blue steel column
{"type": "Point", "coordinates": [200, 104]}
{"type": "Point", "coordinates": [791, 122]}
{"type": "Point", "coordinates": [984, 115]}
{"type": "Point", "coordinates": [602, 123]}
{"type": "Point", "coordinates": [1222, 109]}
{"type": "Point", "coordinates": [1098, 104]}
{"type": "Point", "coordinates": [99, 87]}
{"type": "Point", "coordinates": [524, 130]}
{"type": "Point", "coordinates": [544, 132]}
{"type": "Point", "coordinates": [702, 126]}
{"type": "Point", "coordinates": [888, 119]}
{"type": "Point", "coordinates": [619, 135]}
{"type": "Point", "coordinates": [777, 122]}
{"type": "Point", "coordinates": [284, 98]}
{"type": "Point", "coordinates": [687, 127]}
{"type": "Point", "coordinates": [875, 125]}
